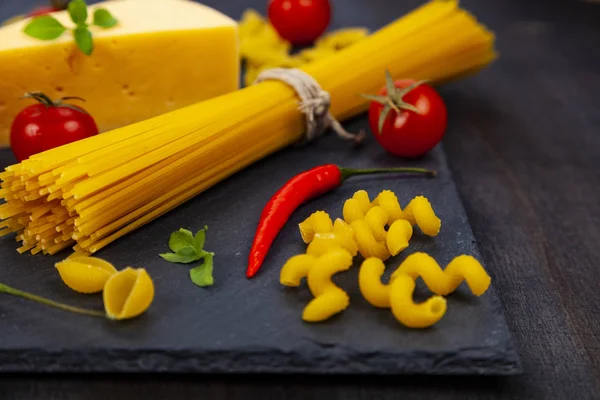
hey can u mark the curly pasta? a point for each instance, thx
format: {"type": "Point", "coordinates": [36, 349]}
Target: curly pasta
{"type": "Point", "coordinates": [369, 219]}
{"type": "Point", "coordinates": [262, 48]}
{"type": "Point", "coordinates": [295, 269]}
{"type": "Point", "coordinates": [323, 235]}
{"type": "Point", "coordinates": [442, 282]}
{"type": "Point", "coordinates": [398, 236]}
{"type": "Point", "coordinates": [409, 313]}
{"type": "Point", "coordinates": [377, 229]}
{"type": "Point", "coordinates": [317, 222]}
{"type": "Point", "coordinates": [368, 245]}
{"type": "Point", "coordinates": [370, 285]}
{"type": "Point", "coordinates": [398, 294]}
{"type": "Point", "coordinates": [419, 212]}
{"type": "Point", "coordinates": [329, 299]}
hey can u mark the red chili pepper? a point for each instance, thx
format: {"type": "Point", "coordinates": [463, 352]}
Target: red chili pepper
{"type": "Point", "coordinates": [301, 188]}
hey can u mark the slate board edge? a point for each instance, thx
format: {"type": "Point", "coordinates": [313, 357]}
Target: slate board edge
{"type": "Point", "coordinates": [511, 348]}
{"type": "Point", "coordinates": [475, 361]}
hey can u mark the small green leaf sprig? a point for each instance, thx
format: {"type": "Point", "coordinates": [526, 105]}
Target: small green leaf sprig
{"type": "Point", "coordinates": [46, 27]}
{"type": "Point", "coordinates": [187, 248]}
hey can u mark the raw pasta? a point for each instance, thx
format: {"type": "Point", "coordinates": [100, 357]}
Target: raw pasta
{"type": "Point", "coordinates": [90, 193]}
{"type": "Point", "coordinates": [409, 313]}
{"type": "Point", "coordinates": [262, 48]}
{"type": "Point", "coordinates": [329, 299]}
{"type": "Point", "coordinates": [398, 293]}
{"type": "Point", "coordinates": [445, 281]}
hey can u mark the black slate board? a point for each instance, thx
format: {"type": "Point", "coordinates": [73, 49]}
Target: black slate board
{"type": "Point", "coordinates": [241, 325]}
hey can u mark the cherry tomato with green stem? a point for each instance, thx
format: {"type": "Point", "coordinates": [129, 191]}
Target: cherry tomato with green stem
{"type": "Point", "coordinates": [407, 118]}
{"type": "Point", "coordinates": [48, 124]}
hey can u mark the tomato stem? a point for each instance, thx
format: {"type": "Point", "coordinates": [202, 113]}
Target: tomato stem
{"type": "Point", "coordinates": [15, 292]}
{"type": "Point", "coordinates": [71, 98]}
{"type": "Point", "coordinates": [48, 102]}
{"type": "Point", "coordinates": [39, 96]}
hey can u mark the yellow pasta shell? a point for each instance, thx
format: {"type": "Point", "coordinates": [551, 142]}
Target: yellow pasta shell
{"type": "Point", "coordinates": [85, 274]}
{"type": "Point", "coordinates": [128, 293]}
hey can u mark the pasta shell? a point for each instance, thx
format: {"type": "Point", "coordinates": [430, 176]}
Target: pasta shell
{"type": "Point", "coordinates": [85, 274]}
{"type": "Point", "coordinates": [128, 293]}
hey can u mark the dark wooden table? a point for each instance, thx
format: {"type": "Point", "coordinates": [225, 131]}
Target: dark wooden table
{"type": "Point", "coordinates": [524, 147]}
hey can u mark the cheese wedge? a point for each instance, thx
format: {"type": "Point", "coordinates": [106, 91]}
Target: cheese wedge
{"type": "Point", "coordinates": [162, 55]}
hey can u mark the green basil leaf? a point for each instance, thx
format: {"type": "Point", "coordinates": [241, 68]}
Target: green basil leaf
{"type": "Point", "coordinates": [104, 19]}
{"type": "Point", "coordinates": [78, 11]}
{"type": "Point", "coordinates": [181, 239]}
{"type": "Point", "coordinates": [179, 258]}
{"type": "Point", "coordinates": [44, 27]}
{"type": "Point", "coordinates": [200, 238]}
{"type": "Point", "coordinates": [202, 275]}
{"type": "Point", "coordinates": [189, 251]}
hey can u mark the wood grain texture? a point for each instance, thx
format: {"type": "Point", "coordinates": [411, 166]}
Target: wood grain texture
{"type": "Point", "coordinates": [524, 147]}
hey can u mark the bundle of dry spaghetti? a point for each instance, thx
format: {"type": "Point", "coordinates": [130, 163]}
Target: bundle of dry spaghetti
{"type": "Point", "coordinates": [90, 193]}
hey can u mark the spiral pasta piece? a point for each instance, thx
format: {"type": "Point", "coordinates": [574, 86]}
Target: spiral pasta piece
{"type": "Point", "coordinates": [377, 218]}
{"type": "Point", "coordinates": [419, 212]}
{"type": "Point", "coordinates": [346, 236]}
{"type": "Point", "coordinates": [295, 269]}
{"type": "Point", "coordinates": [389, 202]}
{"type": "Point", "coordinates": [398, 236]}
{"type": "Point", "coordinates": [370, 285]}
{"type": "Point", "coordinates": [356, 207]}
{"type": "Point", "coordinates": [442, 282]}
{"type": "Point", "coordinates": [368, 246]}
{"type": "Point", "coordinates": [409, 313]}
{"type": "Point", "coordinates": [329, 299]}
{"type": "Point", "coordinates": [317, 222]}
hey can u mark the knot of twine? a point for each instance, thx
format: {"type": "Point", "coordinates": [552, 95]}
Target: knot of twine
{"type": "Point", "coordinates": [314, 103]}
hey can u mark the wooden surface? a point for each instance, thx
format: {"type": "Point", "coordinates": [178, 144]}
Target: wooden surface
{"type": "Point", "coordinates": [524, 147]}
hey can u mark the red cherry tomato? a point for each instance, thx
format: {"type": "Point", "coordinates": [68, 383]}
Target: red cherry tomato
{"type": "Point", "coordinates": [410, 134]}
{"type": "Point", "coordinates": [44, 126]}
{"type": "Point", "coordinates": [300, 21]}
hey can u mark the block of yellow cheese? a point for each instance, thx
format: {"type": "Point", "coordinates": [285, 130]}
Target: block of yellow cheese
{"type": "Point", "coordinates": [162, 55]}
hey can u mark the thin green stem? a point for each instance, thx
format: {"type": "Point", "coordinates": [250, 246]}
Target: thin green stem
{"type": "Point", "coordinates": [348, 172]}
{"type": "Point", "coordinates": [9, 290]}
